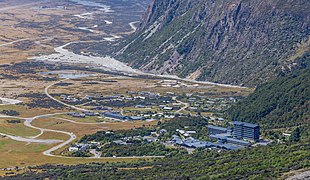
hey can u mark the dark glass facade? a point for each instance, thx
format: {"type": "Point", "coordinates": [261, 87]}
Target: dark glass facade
{"type": "Point", "coordinates": [246, 130]}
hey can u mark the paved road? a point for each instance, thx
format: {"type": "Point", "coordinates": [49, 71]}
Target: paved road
{"type": "Point", "coordinates": [186, 105]}
{"type": "Point", "coordinates": [28, 122]}
{"type": "Point", "coordinates": [10, 43]}
{"type": "Point", "coordinates": [48, 152]}
{"type": "Point", "coordinates": [65, 104]}
{"type": "Point", "coordinates": [31, 140]}
{"type": "Point", "coordinates": [95, 153]}
{"type": "Point", "coordinates": [82, 123]}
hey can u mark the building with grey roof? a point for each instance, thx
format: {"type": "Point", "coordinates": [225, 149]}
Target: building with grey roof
{"type": "Point", "coordinates": [244, 130]}
{"type": "Point", "coordinates": [216, 129]}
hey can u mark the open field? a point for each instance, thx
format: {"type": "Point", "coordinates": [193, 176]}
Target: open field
{"type": "Point", "coordinates": [90, 119]}
{"type": "Point", "coordinates": [82, 129]}
{"type": "Point", "coordinates": [24, 154]}
{"type": "Point", "coordinates": [13, 153]}
{"type": "Point", "coordinates": [17, 129]}
{"type": "Point", "coordinates": [41, 28]}
{"type": "Point", "coordinates": [53, 135]}
{"type": "Point", "coordinates": [25, 111]}
{"type": "Point", "coordinates": [20, 33]}
{"type": "Point", "coordinates": [121, 85]}
{"type": "Point", "coordinates": [29, 28]}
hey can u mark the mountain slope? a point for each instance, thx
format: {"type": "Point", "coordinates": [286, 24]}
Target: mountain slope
{"type": "Point", "coordinates": [227, 41]}
{"type": "Point", "coordinates": [283, 102]}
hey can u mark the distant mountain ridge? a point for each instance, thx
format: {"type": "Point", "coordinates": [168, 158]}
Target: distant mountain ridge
{"type": "Point", "coordinates": [226, 41]}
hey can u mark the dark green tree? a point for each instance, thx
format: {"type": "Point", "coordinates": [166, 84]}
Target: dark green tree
{"type": "Point", "coordinates": [295, 136]}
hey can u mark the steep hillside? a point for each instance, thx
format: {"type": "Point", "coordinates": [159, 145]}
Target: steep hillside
{"type": "Point", "coordinates": [227, 41]}
{"type": "Point", "coordinates": [283, 102]}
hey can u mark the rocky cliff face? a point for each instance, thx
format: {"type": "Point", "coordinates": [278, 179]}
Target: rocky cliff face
{"type": "Point", "coordinates": [227, 41]}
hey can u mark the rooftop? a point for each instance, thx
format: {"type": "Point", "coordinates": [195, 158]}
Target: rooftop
{"type": "Point", "coordinates": [237, 140]}
{"type": "Point", "coordinates": [220, 136]}
{"type": "Point", "coordinates": [217, 127]}
{"type": "Point", "coordinates": [238, 123]}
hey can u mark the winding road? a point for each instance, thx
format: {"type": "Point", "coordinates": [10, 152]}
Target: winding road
{"type": "Point", "coordinates": [65, 104]}
{"type": "Point", "coordinates": [28, 121]}
{"type": "Point", "coordinates": [48, 152]}
{"type": "Point", "coordinates": [82, 123]}
{"type": "Point", "coordinates": [13, 42]}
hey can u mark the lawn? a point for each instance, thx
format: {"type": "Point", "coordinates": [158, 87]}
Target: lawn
{"type": "Point", "coordinates": [26, 112]}
{"type": "Point", "coordinates": [14, 153]}
{"type": "Point", "coordinates": [88, 119]}
{"type": "Point", "coordinates": [82, 129]}
{"type": "Point", "coordinates": [17, 129]}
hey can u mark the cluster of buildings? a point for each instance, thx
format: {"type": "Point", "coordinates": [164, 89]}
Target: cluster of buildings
{"type": "Point", "coordinates": [129, 140]}
{"type": "Point", "coordinates": [83, 146]}
{"type": "Point", "coordinates": [115, 97]}
{"type": "Point", "coordinates": [109, 114]}
{"type": "Point", "coordinates": [174, 83]}
{"type": "Point", "coordinates": [70, 99]}
{"type": "Point", "coordinates": [240, 136]}
{"type": "Point", "coordinates": [84, 114]}
{"type": "Point", "coordinates": [118, 116]}
{"type": "Point", "coordinates": [201, 103]}
{"type": "Point", "coordinates": [185, 133]}
{"type": "Point", "coordinates": [139, 100]}
{"type": "Point", "coordinates": [195, 143]}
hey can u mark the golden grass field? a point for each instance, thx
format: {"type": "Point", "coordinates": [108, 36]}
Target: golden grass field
{"type": "Point", "coordinates": [125, 84]}
{"type": "Point", "coordinates": [16, 26]}
{"type": "Point", "coordinates": [13, 153]}
{"type": "Point", "coordinates": [82, 129]}
{"type": "Point", "coordinates": [22, 154]}
{"type": "Point", "coordinates": [17, 129]}
{"type": "Point", "coordinates": [13, 29]}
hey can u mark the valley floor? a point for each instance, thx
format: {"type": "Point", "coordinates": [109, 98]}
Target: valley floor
{"type": "Point", "coordinates": [55, 91]}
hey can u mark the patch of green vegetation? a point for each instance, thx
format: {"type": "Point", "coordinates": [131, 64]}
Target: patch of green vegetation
{"type": "Point", "coordinates": [197, 124]}
{"type": "Point", "coordinates": [106, 137]}
{"type": "Point", "coordinates": [138, 149]}
{"type": "Point", "coordinates": [283, 102]}
{"type": "Point", "coordinates": [266, 162]}
{"type": "Point", "coordinates": [2, 144]}
{"type": "Point", "coordinates": [79, 154]}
